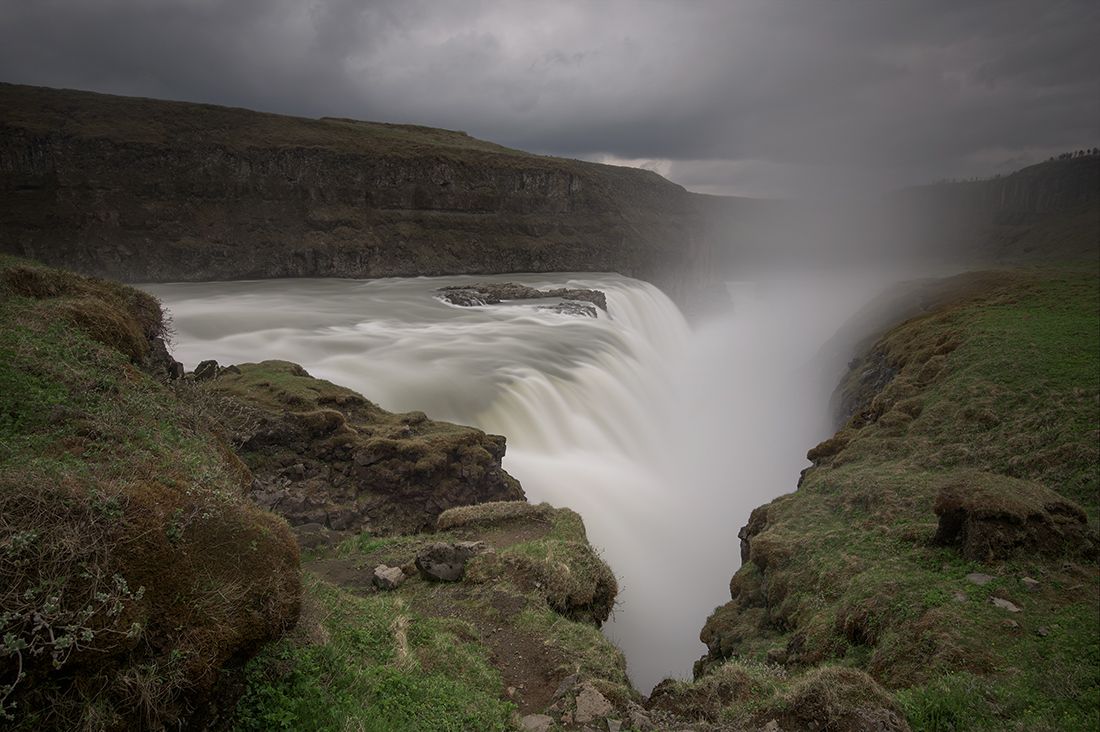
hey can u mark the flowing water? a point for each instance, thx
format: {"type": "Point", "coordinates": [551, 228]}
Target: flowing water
{"type": "Point", "coordinates": [663, 437]}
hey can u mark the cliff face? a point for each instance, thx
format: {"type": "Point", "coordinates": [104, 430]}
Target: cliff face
{"type": "Point", "coordinates": [944, 540]}
{"type": "Point", "coordinates": [144, 190]}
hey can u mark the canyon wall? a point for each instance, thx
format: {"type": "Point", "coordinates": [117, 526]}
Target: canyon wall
{"type": "Point", "coordinates": [143, 190]}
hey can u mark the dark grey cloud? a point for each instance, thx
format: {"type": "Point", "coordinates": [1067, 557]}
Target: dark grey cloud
{"type": "Point", "coordinates": [745, 96]}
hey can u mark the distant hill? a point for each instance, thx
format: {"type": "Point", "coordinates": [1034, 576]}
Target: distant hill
{"type": "Point", "coordinates": [142, 190]}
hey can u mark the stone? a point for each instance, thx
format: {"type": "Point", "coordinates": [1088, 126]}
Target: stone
{"type": "Point", "coordinates": [614, 725]}
{"type": "Point", "coordinates": [443, 562]}
{"type": "Point", "coordinates": [1010, 624]}
{"type": "Point", "coordinates": [979, 579]}
{"type": "Point", "coordinates": [1030, 583]}
{"type": "Point", "coordinates": [571, 307]}
{"type": "Point", "coordinates": [206, 370]}
{"type": "Point", "coordinates": [536, 723]}
{"type": "Point", "coordinates": [639, 720]}
{"type": "Point", "coordinates": [1043, 631]}
{"type": "Point", "coordinates": [1005, 604]}
{"type": "Point", "coordinates": [387, 578]}
{"type": "Point", "coordinates": [566, 685]}
{"type": "Point", "coordinates": [772, 726]}
{"type": "Point", "coordinates": [591, 704]}
{"type": "Point", "coordinates": [960, 596]}
{"type": "Point", "coordinates": [492, 293]}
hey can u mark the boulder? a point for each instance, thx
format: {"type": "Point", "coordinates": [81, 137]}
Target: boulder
{"type": "Point", "coordinates": [571, 307]}
{"type": "Point", "coordinates": [206, 370]}
{"type": "Point", "coordinates": [491, 293]}
{"type": "Point", "coordinates": [536, 723]}
{"type": "Point", "coordinates": [387, 578]}
{"type": "Point", "coordinates": [591, 704]}
{"type": "Point", "coordinates": [446, 562]}
{"type": "Point", "coordinates": [992, 517]}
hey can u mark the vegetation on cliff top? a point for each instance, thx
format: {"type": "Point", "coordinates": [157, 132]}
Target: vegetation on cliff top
{"type": "Point", "coordinates": [990, 407]}
{"type": "Point", "coordinates": [442, 656]}
{"type": "Point", "coordinates": [132, 569]}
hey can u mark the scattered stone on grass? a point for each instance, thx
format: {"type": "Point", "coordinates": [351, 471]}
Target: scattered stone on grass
{"type": "Point", "coordinates": [388, 578]}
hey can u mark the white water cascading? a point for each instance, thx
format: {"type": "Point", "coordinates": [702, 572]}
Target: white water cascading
{"type": "Point", "coordinates": [664, 438]}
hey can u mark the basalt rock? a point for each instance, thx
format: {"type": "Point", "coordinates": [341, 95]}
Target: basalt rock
{"type": "Point", "coordinates": [142, 190]}
{"type": "Point", "coordinates": [493, 293]}
{"type": "Point", "coordinates": [443, 562]}
{"type": "Point", "coordinates": [322, 454]}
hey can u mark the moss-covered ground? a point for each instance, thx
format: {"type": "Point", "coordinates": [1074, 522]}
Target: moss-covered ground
{"type": "Point", "coordinates": [1004, 383]}
{"type": "Point", "coordinates": [123, 525]}
{"type": "Point", "coordinates": [469, 655]}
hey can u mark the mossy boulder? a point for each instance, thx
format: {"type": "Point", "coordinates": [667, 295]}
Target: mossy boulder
{"type": "Point", "coordinates": [990, 517]}
{"type": "Point", "coordinates": [835, 699]}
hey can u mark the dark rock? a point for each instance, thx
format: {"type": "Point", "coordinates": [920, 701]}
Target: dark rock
{"type": "Point", "coordinates": [758, 521]}
{"type": "Point", "coordinates": [159, 362]}
{"type": "Point", "coordinates": [206, 370]}
{"type": "Point", "coordinates": [571, 307]}
{"type": "Point", "coordinates": [991, 517]}
{"type": "Point", "coordinates": [443, 562]}
{"type": "Point", "coordinates": [338, 460]}
{"type": "Point", "coordinates": [491, 293]}
{"type": "Point", "coordinates": [466, 298]}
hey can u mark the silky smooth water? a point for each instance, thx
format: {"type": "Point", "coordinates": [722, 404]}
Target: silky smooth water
{"type": "Point", "coordinates": [663, 437]}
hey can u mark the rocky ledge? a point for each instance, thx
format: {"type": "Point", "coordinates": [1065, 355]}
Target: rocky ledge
{"type": "Point", "coordinates": [574, 301]}
{"type": "Point", "coordinates": [327, 459]}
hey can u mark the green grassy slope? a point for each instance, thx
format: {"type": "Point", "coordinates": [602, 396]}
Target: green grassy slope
{"type": "Point", "coordinates": [997, 396]}
{"type": "Point", "coordinates": [132, 568]}
{"type": "Point", "coordinates": [429, 656]}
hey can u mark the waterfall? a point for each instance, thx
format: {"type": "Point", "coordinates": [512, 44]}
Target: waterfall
{"type": "Point", "coordinates": [662, 437]}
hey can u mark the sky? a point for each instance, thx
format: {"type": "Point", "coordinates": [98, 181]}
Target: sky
{"type": "Point", "coordinates": [740, 97]}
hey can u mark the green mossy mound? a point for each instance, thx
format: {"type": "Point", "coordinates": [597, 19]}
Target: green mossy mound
{"type": "Point", "coordinates": [132, 568]}
{"type": "Point", "coordinates": [992, 517]}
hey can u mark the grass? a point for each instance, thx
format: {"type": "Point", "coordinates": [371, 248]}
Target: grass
{"type": "Point", "coordinates": [1005, 382]}
{"type": "Point", "coordinates": [429, 656]}
{"type": "Point", "coordinates": [345, 668]}
{"type": "Point", "coordinates": [123, 528]}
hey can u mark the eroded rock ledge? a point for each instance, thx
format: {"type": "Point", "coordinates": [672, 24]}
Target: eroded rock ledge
{"type": "Point", "coordinates": [325, 458]}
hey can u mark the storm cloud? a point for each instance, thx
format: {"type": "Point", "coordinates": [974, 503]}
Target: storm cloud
{"type": "Point", "coordinates": [752, 97]}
